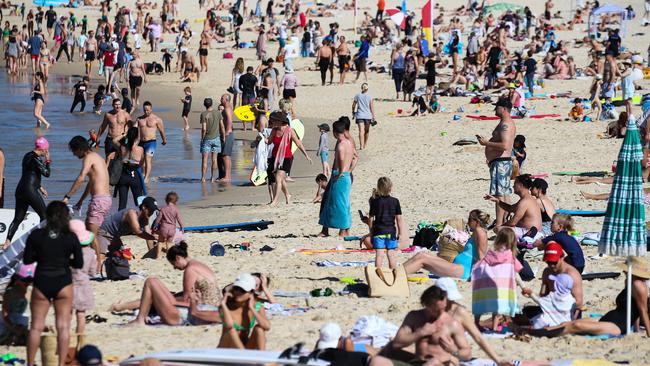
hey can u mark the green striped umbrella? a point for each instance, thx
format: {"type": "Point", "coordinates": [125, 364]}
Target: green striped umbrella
{"type": "Point", "coordinates": [624, 232]}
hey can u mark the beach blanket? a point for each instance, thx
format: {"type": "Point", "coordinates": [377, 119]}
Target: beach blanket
{"type": "Point", "coordinates": [325, 251]}
{"type": "Point", "coordinates": [335, 211]}
{"type": "Point", "coordinates": [329, 263]}
{"type": "Point", "coordinates": [495, 118]}
{"type": "Point", "coordinates": [600, 173]}
{"type": "Point", "coordinates": [279, 309]}
{"type": "Point", "coordinates": [494, 285]}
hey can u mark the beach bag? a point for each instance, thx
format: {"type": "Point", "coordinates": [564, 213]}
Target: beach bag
{"type": "Point", "coordinates": [449, 248]}
{"type": "Point", "coordinates": [227, 55]}
{"type": "Point", "coordinates": [49, 355]}
{"type": "Point", "coordinates": [115, 171]}
{"type": "Point", "coordinates": [426, 237]}
{"type": "Point", "coordinates": [385, 282]}
{"type": "Point", "coordinates": [117, 265]}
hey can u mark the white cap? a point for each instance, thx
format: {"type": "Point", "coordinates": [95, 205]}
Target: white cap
{"type": "Point", "coordinates": [637, 59]}
{"type": "Point", "coordinates": [449, 286]}
{"type": "Point", "coordinates": [330, 333]}
{"type": "Point", "coordinates": [245, 281]}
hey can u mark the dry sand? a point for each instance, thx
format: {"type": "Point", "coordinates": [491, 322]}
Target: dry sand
{"type": "Point", "coordinates": [433, 180]}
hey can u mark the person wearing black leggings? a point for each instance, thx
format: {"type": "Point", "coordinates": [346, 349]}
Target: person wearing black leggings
{"type": "Point", "coordinates": [30, 192]}
{"type": "Point", "coordinates": [131, 177]}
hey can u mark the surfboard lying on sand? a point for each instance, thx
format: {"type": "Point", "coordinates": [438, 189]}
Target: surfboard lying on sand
{"type": "Point", "coordinates": [601, 173]}
{"type": "Point", "coordinates": [600, 275]}
{"type": "Point", "coordinates": [583, 213]}
{"type": "Point", "coordinates": [247, 226]}
{"type": "Point", "coordinates": [221, 356]}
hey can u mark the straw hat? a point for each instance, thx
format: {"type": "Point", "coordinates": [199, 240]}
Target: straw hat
{"type": "Point", "coordinates": [639, 268]}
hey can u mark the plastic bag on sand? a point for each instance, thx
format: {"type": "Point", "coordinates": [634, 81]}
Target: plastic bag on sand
{"type": "Point", "coordinates": [373, 330]}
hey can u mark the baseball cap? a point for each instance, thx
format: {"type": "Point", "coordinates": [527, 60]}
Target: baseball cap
{"type": "Point", "coordinates": [245, 281]}
{"type": "Point", "coordinates": [563, 283]}
{"type": "Point", "coordinates": [512, 86]}
{"type": "Point", "coordinates": [330, 333]}
{"type": "Point", "coordinates": [553, 252]}
{"type": "Point", "coordinates": [150, 204]}
{"type": "Point", "coordinates": [449, 286]}
{"type": "Point", "coordinates": [324, 126]}
{"type": "Point", "coordinates": [89, 355]}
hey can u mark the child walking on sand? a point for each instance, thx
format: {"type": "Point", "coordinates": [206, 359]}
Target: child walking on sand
{"type": "Point", "coordinates": [493, 280]}
{"type": "Point", "coordinates": [84, 297]}
{"type": "Point", "coordinates": [323, 149]}
{"type": "Point", "coordinates": [187, 106]}
{"type": "Point", "coordinates": [384, 218]}
{"type": "Point", "coordinates": [166, 223]}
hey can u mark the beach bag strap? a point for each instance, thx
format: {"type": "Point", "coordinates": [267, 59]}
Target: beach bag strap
{"type": "Point", "coordinates": [73, 349]}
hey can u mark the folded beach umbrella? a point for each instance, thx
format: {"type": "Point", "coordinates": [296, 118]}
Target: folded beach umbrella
{"type": "Point", "coordinates": [624, 231]}
{"type": "Point", "coordinates": [397, 16]}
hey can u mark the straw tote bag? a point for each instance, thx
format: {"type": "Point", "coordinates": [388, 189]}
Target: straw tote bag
{"type": "Point", "coordinates": [385, 282]}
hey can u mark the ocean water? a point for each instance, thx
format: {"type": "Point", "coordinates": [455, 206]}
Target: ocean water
{"type": "Point", "coordinates": [177, 165]}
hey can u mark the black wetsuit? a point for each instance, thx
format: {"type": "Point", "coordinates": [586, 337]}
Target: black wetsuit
{"type": "Point", "coordinates": [53, 256]}
{"type": "Point", "coordinates": [27, 192]}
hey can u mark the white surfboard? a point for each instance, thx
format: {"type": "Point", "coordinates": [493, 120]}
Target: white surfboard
{"type": "Point", "coordinates": [7, 215]}
{"type": "Point", "coordinates": [13, 255]}
{"type": "Point", "coordinates": [219, 356]}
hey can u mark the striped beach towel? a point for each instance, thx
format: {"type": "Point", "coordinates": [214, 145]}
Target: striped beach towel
{"type": "Point", "coordinates": [493, 284]}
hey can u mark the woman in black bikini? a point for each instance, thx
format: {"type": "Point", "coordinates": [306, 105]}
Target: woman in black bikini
{"type": "Point", "coordinates": [52, 247]}
{"type": "Point", "coordinates": [37, 96]}
{"type": "Point", "coordinates": [203, 51]}
{"type": "Point", "coordinates": [614, 322]}
{"type": "Point", "coordinates": [546, 206]}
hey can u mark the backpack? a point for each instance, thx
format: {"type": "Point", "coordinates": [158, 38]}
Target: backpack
{"type": "Point", "coordinates": [117, 267]}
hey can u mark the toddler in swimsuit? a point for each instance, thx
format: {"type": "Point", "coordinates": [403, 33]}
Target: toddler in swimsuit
{"type": "Point", "coordinates": [165, 223]}
{"type": "Point", "coordinates": [84, 297]}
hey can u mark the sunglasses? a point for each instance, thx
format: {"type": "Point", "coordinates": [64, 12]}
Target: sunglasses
{"type": "Point", "coordinates": [552, 263]}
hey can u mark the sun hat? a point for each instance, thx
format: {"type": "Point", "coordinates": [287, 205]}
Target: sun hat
{"type": "Point", "coordinates": [41, 143]}
{"type": "Point", "coordinates": [78, 228]}
{"type": "Point", "coordinates": [89, 355]}
{"type": "Point", "coordinates": [26, 272]}
{"type": "Point", "coordinates": [449, 286]}
{"type": "Point", "coordinates": [329, 336]}
{"type": "Point", "coordinates": [553, 252]}
{"type": "Point", "coordinates": [639, 268]}
{"type": "Point", "coordinates": [563, 283]}
{"type": "Point", "coordinates": [245, 281]}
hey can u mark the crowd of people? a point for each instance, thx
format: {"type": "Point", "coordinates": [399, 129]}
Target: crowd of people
{"type": "Point", "coordinates": [68, 253]}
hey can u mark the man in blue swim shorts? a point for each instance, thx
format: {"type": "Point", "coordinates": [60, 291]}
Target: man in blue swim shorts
{"type": "Point", "coordinates": [148, 124]}
{"type": "Point", "coordinates": [498, 154]}
{"type": "Point", "coordinates": [212, 129]}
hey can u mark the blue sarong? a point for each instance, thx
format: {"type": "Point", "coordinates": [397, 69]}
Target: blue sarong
{"type": "Point", "coordinates": [335, 212]}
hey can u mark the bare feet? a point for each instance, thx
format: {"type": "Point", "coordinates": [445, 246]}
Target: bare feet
{"type": "Point", "coordinates": [117, 306]}
{"type": "Point", "coordinates": [289, 179]}
{"type": "Point", "coordinates": [202, 179]}
{"type": "Point", "coordinates": [135, 323]}
{"type": "Point", "coordinates": [6, 244]}
{"type": "Point", "coordinates": [289, 199]}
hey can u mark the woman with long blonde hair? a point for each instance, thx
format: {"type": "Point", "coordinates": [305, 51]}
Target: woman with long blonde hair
{"type": "Point", "coordinates": [237, 71]}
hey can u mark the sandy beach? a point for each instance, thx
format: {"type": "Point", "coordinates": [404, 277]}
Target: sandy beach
{"type": "Point", "coordinates": [433, 180]}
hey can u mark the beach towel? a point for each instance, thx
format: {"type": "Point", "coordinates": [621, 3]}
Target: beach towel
{"type": "Point", "coordinates": [493, 284]}
{"type": "Point", "coordinates": [282, 149]}
{"type": "Point", "coordinates": [494, 118]}
{"type": "Point", "coordinates": [329, 263]}
{"type": "Point", "coordinates": [373, 330]}
{"type": "Point", "coordinates": [336, 204]}
{"type": "Point", "coordinates": [262, 152]}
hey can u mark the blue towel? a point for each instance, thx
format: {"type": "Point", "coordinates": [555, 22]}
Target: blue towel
{"type": "Point", "coordinates": [335, 211]}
